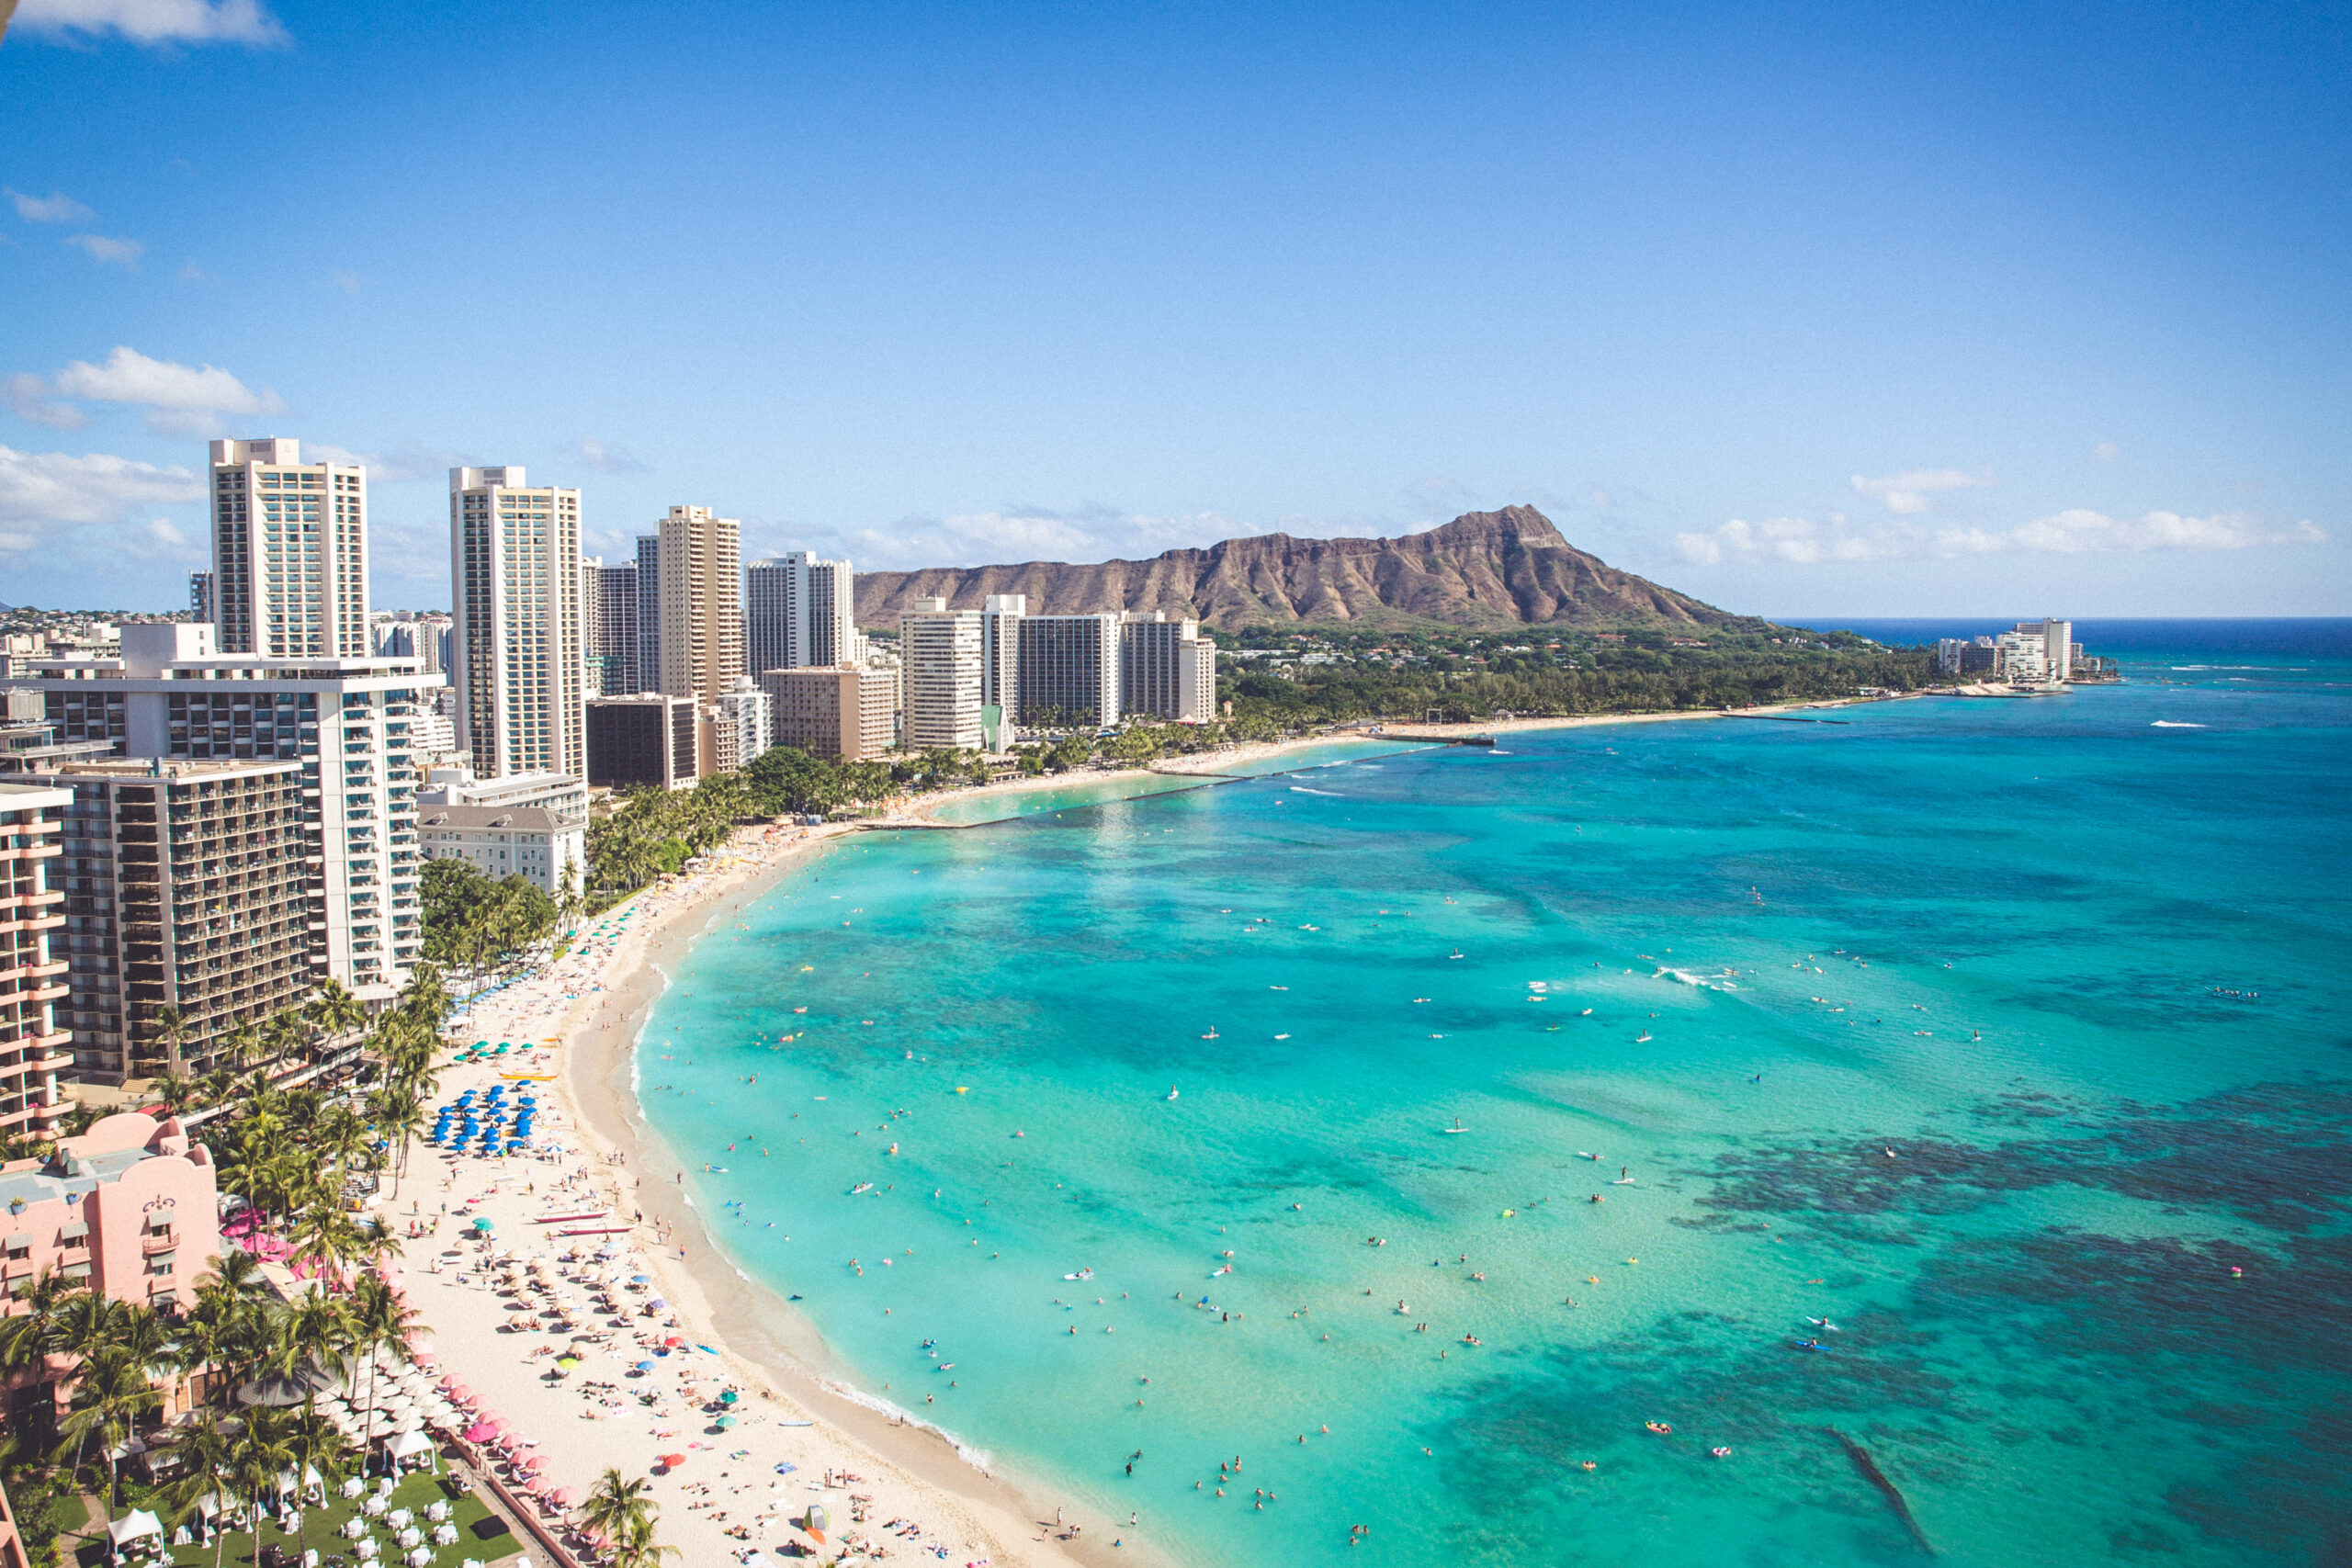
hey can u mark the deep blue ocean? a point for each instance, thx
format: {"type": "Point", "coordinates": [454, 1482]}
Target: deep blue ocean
{"type": "Point", "coordinates": [2005, 1035]}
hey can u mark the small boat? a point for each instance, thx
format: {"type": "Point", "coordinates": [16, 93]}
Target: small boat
{"type": "Point", "coordinates": [1081, 1274]}
{"type": "Point", "coordinates": [1212, 1034]}
{"type": "Point", "coordinates": [1171, 1091]}
{"type": "Point", "coordinates": [1622, 1181]}
{"type": "Point", "coordinates": [1221, 1268]}
{"type": "Point", "coordinates": [1457, 1127]}
{"type": "Point", "coordinates": [861, 1186]}
{"type": "Point", "coordinates": [1825, 1322]}
{"type": "Point", "coordinates": [1587, 1014]}
{"type": "Point", "coordinates": [1587, 1154]}
{"type": "Point", "coordinates": [1643, 1035]}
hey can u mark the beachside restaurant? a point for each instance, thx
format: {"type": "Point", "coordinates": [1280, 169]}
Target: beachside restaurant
{"type": "Point", "coordinates": [419, 1519]}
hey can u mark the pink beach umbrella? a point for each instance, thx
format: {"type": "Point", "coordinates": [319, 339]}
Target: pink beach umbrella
{"type": "Point", "coordinates": [564, 1498]}
{"type": "Point", "coordinates": [538, 1462]}
{"type": "Point", "coordinates": [481, 1434]}
{"type": "Point", "coordinates": [453, 1384]}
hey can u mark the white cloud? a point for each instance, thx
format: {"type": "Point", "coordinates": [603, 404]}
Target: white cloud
{"type": "Point", "coordinates": [2107, 451]}
{"type": "Point", "coordinates": [193, 271]}
{"type": "Point", "coordinates": [29, 399]}
{"type": "Point", "coordinates": [44, 495]}
{"type": "Point", "coordinates": [155, 22]}
{"type": "Point", "coordinates": [180, 401]}
{"type": "Point", "coordinates": [346, 280]}
{"type": "Point", "coordinates": [1911, 491]}
{"type": "Point", "coordinates": [114, 251]}
{"type": "Point", "coordinates": [607, 457]}
{"type": "Point", "coordinates": [2077, 531]}
{"type": "Point", "coordinates": [54, 208]}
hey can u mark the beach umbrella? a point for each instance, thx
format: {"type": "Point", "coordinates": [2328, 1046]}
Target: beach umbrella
{"type": "Point", "coordinates": [725, 1422]}
{"type": "Point", "coordinates": [671, 1461]}
{"type": "Point", "coordinates": [645, 1366]}
{"type": "Point", "coordinates": [673, 1343]}
{"type": "Point", "coordinates": [482, 1223]}
{"type": "Point", "coordinates": [564, 1498]}
{"type": "Point", "coordinates": [481, 1432]}
{"type": "Point", "coordinates": [729, 1397]}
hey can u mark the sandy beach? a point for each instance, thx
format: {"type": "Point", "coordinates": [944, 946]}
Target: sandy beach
{"type": "Point", "coordinates": [800, 1433]}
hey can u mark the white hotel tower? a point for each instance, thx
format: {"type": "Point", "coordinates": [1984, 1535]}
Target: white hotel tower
{"type": "Point", "coordinates": [290, 552]}
{"type": "Point", "coordinates": [522, 640]}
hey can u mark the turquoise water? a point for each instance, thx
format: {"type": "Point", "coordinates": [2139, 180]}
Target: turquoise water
{"type": "Point", "coordinates": [2016, 944]}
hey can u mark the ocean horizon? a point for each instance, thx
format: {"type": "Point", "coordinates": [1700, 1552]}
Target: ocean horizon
{"type": "Point", "coordinates": [1918, 1126]}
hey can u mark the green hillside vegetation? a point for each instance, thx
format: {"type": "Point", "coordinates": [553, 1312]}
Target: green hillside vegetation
{"type": "Point", "coordinates": [1329, 675]}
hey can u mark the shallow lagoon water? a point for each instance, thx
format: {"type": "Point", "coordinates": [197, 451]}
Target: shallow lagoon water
{"type": "Point", "coordinates": [1993, 938]}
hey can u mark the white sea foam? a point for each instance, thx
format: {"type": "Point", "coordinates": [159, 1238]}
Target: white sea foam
{"type": "Point", "coordinates": [1334, 794]}
{"type": "Point", "coordinates": [2172, 724]}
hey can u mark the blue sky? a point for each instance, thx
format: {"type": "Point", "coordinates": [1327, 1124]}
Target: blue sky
{"type": "Point", "coordinates": [1872, 310]}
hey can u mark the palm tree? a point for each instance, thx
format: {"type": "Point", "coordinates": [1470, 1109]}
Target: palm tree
{"type": "Point", "coordinates": [312, 1443]}
{"type": "Point", "coordinates": [334, 1009]}
{"type": "Point", "coordinates": [282, 1035]}
{"type": "Point", "coordinates": [378, 1322]}
{"type": "Point", "coordinates": [170, 1034]}
{"type": "Point", "coordinates": [619, 1509]}
{"type": "Point", "coordinates": [261, 1461]}
{"type": "Point", "coordinates": [639, 1550]}
{"type": "Point", "coordinates": [112, 1393]}
{"type": "Point", "coordinates": [177, 1092]}
{"type": "Point", "coordinates": [315, 1337]}
{"type": "Point", "coordinates": [207, 1450]}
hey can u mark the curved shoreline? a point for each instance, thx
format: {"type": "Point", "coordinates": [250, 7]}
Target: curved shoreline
{"type": "Point", "coordinates": [751, 1323]}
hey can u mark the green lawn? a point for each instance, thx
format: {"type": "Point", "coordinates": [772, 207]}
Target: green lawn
{"type": "Point", "coordinates": [480, 1533]}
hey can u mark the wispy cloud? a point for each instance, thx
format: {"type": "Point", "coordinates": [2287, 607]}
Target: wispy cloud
{"type": "Point", "coordinates": [1914, 491]}
{"type": "Point", "coordinates": [47, 497]}
{"type": "Point", "coordinates": [345, 279]}
{"type": "Point", "coordinates": [109, 249]}
{"type": "Point", "coordinates": [154, 22]}
{"type": "Point", "coordinates": [607, 457]}
{"type": "Point", "coordinates": [1011, 534]}
{"type": "Point", "coordinates": [54, 208]}
{"type": "Point", "coordinates": [2076, 531]}
{"type": "Point", "coordinates": [28, 399]}
{"type": "Point", "coordinates": [179, 399]}
{"type": "Point", "coordinates": [2107, 451]}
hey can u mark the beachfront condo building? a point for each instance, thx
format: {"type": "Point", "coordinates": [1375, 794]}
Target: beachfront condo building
{"type": "Point", "coordinates": [648, 613]}
{"type": "Point", "coordinates": [1001, 617]}
{"type": "Point", "coordinates": [702, 610]}
{"type": "Point", "coordinates": [648, 737]}
{"type": "Point", "coordinates": [290, 552]}
{"type": "Point", "coordinates": [939, 657]}
{"type": "Point", "coordinates": [845, 711]}
{"type": "Point", "coordinates": [1166, 666]}
{"type": "Point", "coordinates": [32, 966]}
{"type": "Point", "coordinates": [617, 629]}
{"type": "Point", "coordinates": [188, 909]}
{"type": "Point", "coordinates": [799, 610]}
{"type": "Point", "coordinates": [521, 640]}
{"type": "Point", "coordinates": [349, 723]}
{"type": "Point", "coordinates": [128, 1210]}
{"type": "Point", "coordinates": [1069, 672]}
{"type": "Point", "coordinates": [500, 841]}
{"type": "Point", "coordinates": [595, 669]}
{"type": "Point", "coordinates": [199, 595]}
{"type": "Point", "coordinates": [741, 726]}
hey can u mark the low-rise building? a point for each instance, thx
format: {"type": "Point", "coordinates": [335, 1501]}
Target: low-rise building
{"type": "Point", "coordinates": [455, 784]}
{"type": "Point", "coordinates": [845, 711]}
{"type": "Point", "coordinates": [529, 841]}
{"type": "Point", "coordinates": [646, 739]}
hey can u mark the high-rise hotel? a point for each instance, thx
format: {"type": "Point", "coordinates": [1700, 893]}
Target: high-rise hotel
{"type": "Point", "coordinates": [798, 611]}
{"type": "Point", "coordinates": [290, 552]}
{"type": "Point", "coordinates": [700, 634]}
{"type": "Point", "coordinates": [521, 644]}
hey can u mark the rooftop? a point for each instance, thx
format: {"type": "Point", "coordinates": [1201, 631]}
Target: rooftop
{"type": "Point", "coordinates": [523, 818]}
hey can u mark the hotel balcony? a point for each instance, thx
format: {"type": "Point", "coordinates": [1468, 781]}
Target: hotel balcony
{"type": "Point", "coordinates": [154, 1242]}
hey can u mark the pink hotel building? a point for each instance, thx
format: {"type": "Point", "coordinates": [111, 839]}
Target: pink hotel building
{"type": "Point", "coordinates": [131, 1207]}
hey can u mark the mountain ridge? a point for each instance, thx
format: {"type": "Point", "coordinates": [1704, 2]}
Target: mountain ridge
{"type": "Point", "coordinates": [1482, 569]}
